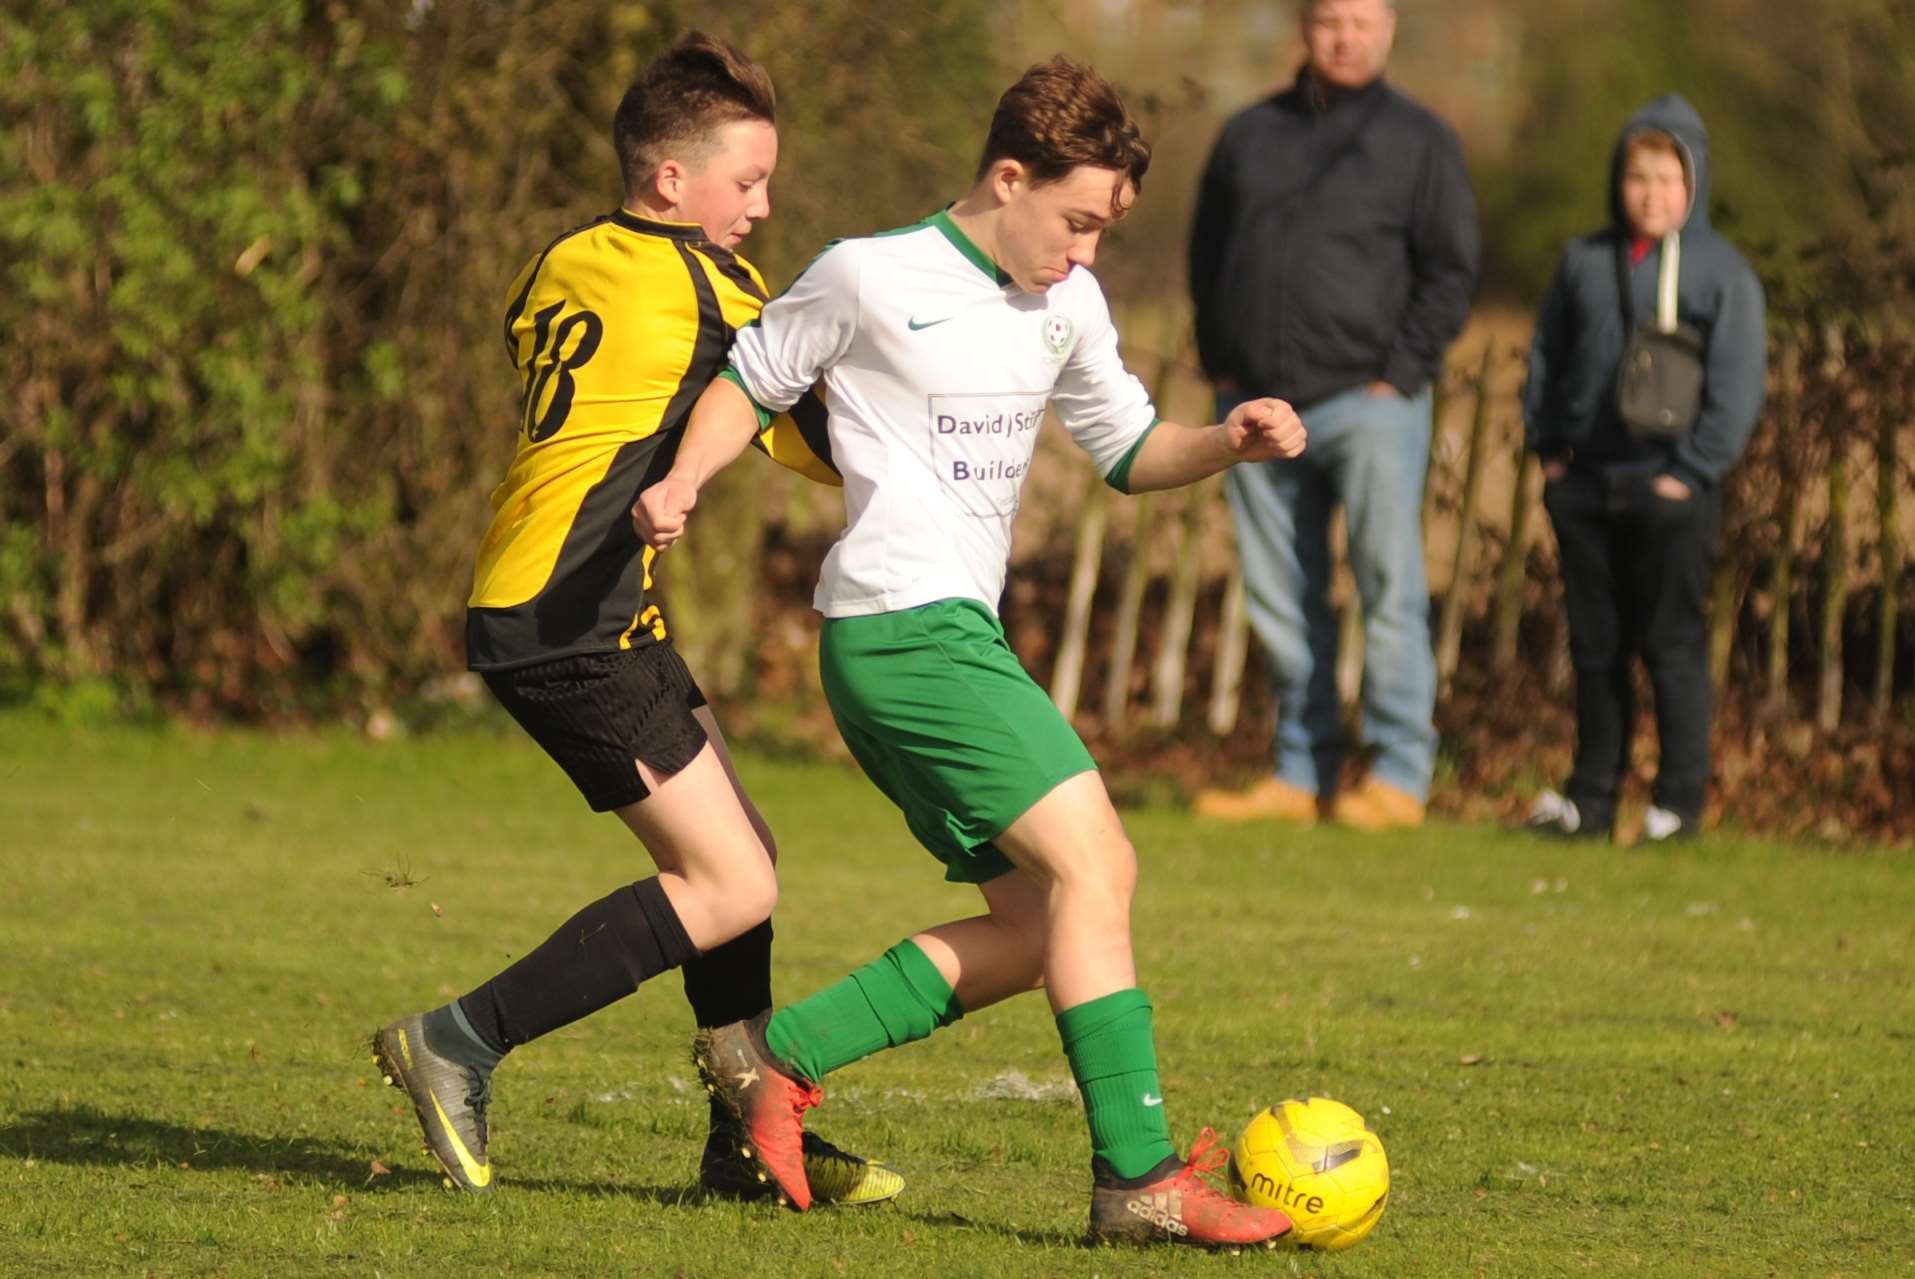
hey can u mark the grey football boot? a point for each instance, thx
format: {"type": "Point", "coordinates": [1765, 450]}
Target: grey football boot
{"type": "Point", "coordinates": [448, 1075]}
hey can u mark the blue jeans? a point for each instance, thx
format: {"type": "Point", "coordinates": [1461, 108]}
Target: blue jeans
{"type": "Point", "coordinates": [1369, 453]}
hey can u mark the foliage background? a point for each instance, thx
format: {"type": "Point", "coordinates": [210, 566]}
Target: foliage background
{"type": "Point", "coordinates": [254, 252]}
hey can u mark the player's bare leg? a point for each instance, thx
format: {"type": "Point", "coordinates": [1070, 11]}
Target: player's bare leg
{"type": "Point", "coordinates": [715, 866]}
{"type": "Point", "coordinates": [716, 882]}
{"type": "Point", "coordinates": [1071, 849]}
{"type": "Point", "coordinates": [733, 984]}
{"type": "Point", "coordinates": [988, 958]}
{"type": "Point", "coordinates": [1060, 919]}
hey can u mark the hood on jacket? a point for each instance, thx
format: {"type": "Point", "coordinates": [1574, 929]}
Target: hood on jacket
{"type": "Point", "coordinates": [1671, 114]}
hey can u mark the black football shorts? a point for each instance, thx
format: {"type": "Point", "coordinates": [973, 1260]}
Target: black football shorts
{"type": "Point", "coordinates": [597, 713]}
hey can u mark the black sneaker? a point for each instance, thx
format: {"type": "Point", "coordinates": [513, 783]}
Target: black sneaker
{"type": "Point", "coordinates": [1556, 817]}
{"type": "Point", "coordinates": [835, 1176]}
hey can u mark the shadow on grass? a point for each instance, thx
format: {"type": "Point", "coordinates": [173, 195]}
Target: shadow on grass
{"type": "Point", "coordinates": [84, 1135]}
{"type": "Point", "coordinates": [1040, 1238]}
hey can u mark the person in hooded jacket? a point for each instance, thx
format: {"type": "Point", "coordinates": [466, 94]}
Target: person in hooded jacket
{"type": "Point", "coordinates": [1636, 509]}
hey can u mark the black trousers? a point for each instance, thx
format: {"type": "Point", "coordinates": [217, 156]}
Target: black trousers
{"type": "Point", "coordinates": [1635, 576]}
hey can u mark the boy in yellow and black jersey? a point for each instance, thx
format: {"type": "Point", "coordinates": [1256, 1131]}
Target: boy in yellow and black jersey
{"type": "Point", "coordinates": [614, 330]}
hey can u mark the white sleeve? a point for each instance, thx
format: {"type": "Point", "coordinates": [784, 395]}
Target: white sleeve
{"type": "Point", "coordinates": [1101, 403]}
{"type": "Point", "coordinates": [802, 332]}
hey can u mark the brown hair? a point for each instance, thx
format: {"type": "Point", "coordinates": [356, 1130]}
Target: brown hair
{"type": "Point", "coordinates": [696, 87]}
{"type": "Point", "coordinates": [1656, 142]}
{"type": "Point", "coordinates": [1061, 115]}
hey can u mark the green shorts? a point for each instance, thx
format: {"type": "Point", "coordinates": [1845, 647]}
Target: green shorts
{"type": "Point", "coordinates": [941, 715]}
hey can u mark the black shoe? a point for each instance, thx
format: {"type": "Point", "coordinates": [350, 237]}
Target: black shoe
{"type": "Point", "coordinates": [836, 1176]}
{"type": "Point", "coordinates": [1555, 817]}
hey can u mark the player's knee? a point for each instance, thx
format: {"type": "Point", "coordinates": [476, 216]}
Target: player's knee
{"type": "Point", "coordinates": [1120, 881]}
{"type": "Point", "coordinates": [1103, 872]}
{"type": "Point", "coordinates": [751, 896]}
{"type": "Point", "coordinates": [762, 829]}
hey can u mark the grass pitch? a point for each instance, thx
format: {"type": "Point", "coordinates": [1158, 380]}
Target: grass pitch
{"type": "Point", "coordinates": [1582, 1060]}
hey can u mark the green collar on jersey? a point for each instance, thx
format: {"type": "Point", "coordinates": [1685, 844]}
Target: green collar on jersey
{"type": "Point", "coordinates": [962, 242]}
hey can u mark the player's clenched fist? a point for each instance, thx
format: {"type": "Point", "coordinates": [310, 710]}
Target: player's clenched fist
{"type": "Point", "coordinates": [1259, 430]}
{"type": "Point", "coordinates": [660, 513]}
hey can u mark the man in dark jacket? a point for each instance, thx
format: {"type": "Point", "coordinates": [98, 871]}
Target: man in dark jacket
{"type": "Point", "coordinates": [1332, 260]}
{"type": "Point", "coordinates": [1636, 511]}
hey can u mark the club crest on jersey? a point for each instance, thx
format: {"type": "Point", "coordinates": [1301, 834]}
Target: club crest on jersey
{"type": "Point", "coordinates": [1057, 334]}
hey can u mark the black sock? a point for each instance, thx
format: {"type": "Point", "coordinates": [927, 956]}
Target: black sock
{"type": "Point", "coordinates": [597, 957]}
{"type": "Point", "coordinates": [731, 982]}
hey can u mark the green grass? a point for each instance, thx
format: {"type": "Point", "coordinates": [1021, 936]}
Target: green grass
{"type": "Point", "coordinates": [1581, 1060]}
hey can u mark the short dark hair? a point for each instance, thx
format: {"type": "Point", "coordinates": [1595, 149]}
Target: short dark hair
{"type": "Point", "coordinates": [1311, 6]}
{"type": "Point", "coordinates": [696, 87]}
{"type": "Point", "coordinates": [1061, 115]}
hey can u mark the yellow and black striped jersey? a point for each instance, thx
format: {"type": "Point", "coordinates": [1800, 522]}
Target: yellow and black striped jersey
{"type": "Point", "coordinates": [615, 330]}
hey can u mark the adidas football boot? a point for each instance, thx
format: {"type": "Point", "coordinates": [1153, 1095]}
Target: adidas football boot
{"type": "Point", "coordinates": [1173, 1203]}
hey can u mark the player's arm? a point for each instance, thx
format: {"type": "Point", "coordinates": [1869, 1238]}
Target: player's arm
{"type": "Point", "coordinates": [1109, 414]}
{"type": "Point", "coordinates": [774, 361]}
{"type": "Point", "coordinates": [1173, 455]}
{"type": "Point", "coordinates": [723, 424]}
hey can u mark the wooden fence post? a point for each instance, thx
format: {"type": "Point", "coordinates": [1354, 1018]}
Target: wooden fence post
{"type": "Point", "coordinates": [1449, 634]}
{"type": "Point", "coordinates": [1350, 633]}
{"type": "Point", "coordinates": [1180, 611]}
{"type": "Point", "coordinates": [1724, 580]}
{"type": "Point", "coordinates": [1790, 477]}
{"type": "Point", "coordinates": [1835, 557]}
{"type": "Point", "coordinates": [1888, 488]}
{"type": "Point", "coordinates": [1130, 600]}
{"type": "Point", "coordinates": [1067, 679]}
{"type": "Point", "coordinates": [1130, 610]}
{"type": "Point", "coordinates": [1513, 572]}
{"type": "Point", "coordinates": [1439, 405]}
{"type": "Point", "coordinates": [1233, 649]}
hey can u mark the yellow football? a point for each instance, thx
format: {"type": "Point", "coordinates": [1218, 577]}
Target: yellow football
{"type": "Point", "coordinates": [1318, 1161]}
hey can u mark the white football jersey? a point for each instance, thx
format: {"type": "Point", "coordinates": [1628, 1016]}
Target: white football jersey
{"type": "Point", "coordinates": [937, 370]}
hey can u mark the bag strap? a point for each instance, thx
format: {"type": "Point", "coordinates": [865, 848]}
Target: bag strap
{"type": "Point", "coordinates": [1666, 280]}
{"type": "Point", "coordinates": [1668, 275]}
{"type": "Point", "coordinates": [1623, 292]}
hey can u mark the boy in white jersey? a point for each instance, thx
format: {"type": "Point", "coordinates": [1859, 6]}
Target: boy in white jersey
{"type": "Point", "coordinates": [939, 347]}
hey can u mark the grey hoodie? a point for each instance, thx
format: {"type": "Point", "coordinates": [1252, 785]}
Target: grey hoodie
{"type": "Point", "coordinates": [1569, 403]}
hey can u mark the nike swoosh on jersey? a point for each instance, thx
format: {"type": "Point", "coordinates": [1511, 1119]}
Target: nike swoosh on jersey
{"type": "Point", "coordinates": [1152, 1101]}
{"type": "Point", "coordinates": [914, 324]}
{"type": "Point", "coordinates": [480, 1174]}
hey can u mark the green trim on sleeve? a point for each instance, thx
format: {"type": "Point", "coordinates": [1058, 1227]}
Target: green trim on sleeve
{"type": "Point", "coordinates": [1118, 477]}
{"type": "Point", "coordinates": [765, 415]}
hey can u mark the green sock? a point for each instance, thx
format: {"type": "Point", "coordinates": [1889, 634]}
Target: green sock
{"type": "Point", "coordinates": [1113, 1055]}
{"type": "Point", "coordinates": [895, 999]}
